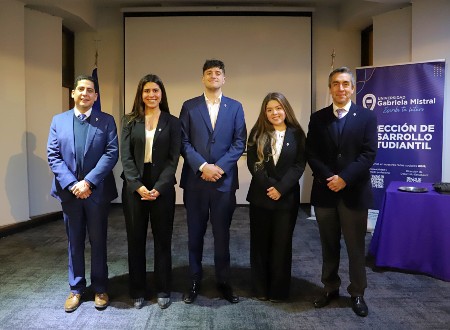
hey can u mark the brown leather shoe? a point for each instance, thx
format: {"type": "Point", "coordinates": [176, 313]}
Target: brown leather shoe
{"type": "Point", "coordinates": [101, 300]}
{"type": "Point", "coordinates": [72, 302]}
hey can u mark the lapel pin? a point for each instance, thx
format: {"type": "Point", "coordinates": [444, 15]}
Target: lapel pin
{"type": "Point", "coordinates": [354, 114]}
{"type": "Point", "coordinates": [225, 105]}
{"type": "Point", "coordinates": [287, 144]}
{"type": "Point", "coordinates": [159, 130]}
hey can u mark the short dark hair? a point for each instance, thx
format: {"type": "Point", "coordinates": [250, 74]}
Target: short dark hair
{"type": "Point", "coordinates": [213, 64]}
{"type": "Point", "coordinates": [85, 77]}
{"type": "Point", "coordinates": [342, 69]}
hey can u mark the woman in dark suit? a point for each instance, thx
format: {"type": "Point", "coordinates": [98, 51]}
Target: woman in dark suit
{"type": "Point", "coordinates": [150, 150]}
{"type": "Point", "coordinates": [276, 160]}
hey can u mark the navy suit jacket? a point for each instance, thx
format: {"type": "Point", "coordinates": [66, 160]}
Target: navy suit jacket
{"type": "Point", "coordinates": [349, 156]}
{"type": "Point", "coordinates": [100, 156]}
{"type": "Point", "coordinates": [222, 146]}
{"type": "Point", "coordinates": [165, 152]}
{"type": "Point", "coordinates": [284, 176]}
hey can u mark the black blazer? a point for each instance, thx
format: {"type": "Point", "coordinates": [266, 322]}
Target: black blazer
{"type": "Point", "coordinates": [165, 152]}
{"type": "Point", "coordinates": [350, 156]}
{"type": "Point", "coordinates": [284, 176]}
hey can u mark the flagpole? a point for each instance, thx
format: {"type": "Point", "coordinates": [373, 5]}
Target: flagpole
{"type": "Point", "coordinates": [327, 97]}
{"type": "Point", "coordinates": [96, 52]}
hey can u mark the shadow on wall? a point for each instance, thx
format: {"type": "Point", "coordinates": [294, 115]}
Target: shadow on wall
{"type": "Point", "coordinates": [29, 194]}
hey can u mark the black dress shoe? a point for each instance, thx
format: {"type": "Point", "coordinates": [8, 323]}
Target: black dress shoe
{"type": "Point", "coordinates": [359, 306]}
{"type": "Point", "coordinates": [260, 298]}
{"type": "Point", "coordinates": [190, 297]}
{"type": "Point", "coordinates": [227, 292]}
{"type": "Point", "coordinates": [326, 298]}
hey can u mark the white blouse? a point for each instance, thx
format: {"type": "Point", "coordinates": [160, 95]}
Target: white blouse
{"type": "Point", "coordinates": [149, 136]}
{"type": "Point", "coordinates": [278, 145]}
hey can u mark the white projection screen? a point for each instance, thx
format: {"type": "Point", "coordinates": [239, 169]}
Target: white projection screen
{"type": "Point", "coordinates": [263, 52]}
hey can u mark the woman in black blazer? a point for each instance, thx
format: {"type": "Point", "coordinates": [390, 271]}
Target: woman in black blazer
{"type": "Point", "coordinates": [150, 150]}
{"type": "Point", "coordinates": [276, 160]}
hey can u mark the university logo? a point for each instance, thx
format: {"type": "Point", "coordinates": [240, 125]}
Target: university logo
{"type": "Point", "coordinates": [369, 101]}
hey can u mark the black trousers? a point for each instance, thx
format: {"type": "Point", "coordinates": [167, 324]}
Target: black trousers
{"type": "Point", "coordinates": [137, 214]}
{"type": "Point", "coordinates": [353, 226]}
{"type": "Point", "coordinates": [271, 251]}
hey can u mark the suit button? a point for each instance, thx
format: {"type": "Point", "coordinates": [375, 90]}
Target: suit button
{"type": "Point", "coordinates": [339, 155]}
{"type": "Point", "coordinates": [213, 141]}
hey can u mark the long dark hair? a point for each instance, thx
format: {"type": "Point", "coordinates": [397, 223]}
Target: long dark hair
{"type": "Point", "coordinates": [263, 131]}
{"type": "Point", "coordinates": [137, 112]}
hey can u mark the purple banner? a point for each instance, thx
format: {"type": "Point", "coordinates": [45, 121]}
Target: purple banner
{"type": "Point", "coordinates": [408, 100]}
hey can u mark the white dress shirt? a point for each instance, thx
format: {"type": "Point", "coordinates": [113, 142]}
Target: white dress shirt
{"type": "Point", "coordinates": [213, 108]}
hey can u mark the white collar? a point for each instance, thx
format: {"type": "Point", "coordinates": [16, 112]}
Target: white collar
{"type": "Point", "coordinates": [345, 107]}
{"type": "Point", "coordinates": [209, 101]}
{"type": "Point", "coordinates": [87, 113]}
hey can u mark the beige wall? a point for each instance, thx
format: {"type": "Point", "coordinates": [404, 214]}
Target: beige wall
{"type": "Point", "coordinates": [30, 93]}
{"type": "Point", "coordinates": [329, 35]}
{"type": "Point", "coordinates": [13, 164]}
{"type": "Point", "coordinates": [392, 37]}
{"type": "Point", "coordinates": [43, 101]}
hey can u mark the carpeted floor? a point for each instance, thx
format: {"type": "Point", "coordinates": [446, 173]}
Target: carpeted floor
{"type": "Point", "coordinates": [33, 287]}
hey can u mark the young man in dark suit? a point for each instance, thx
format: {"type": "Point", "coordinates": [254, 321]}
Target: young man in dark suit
{"type": "Point", "coordinates": [341, 147]}
{"type": "Point", "coordinates": [213, 139]}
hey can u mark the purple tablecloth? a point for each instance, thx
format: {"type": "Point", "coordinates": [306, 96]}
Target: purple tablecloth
{"type": "Point", "coordinates": [413, 231]}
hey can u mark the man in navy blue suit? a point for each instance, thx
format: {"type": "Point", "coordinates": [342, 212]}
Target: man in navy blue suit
{"type": "Point", "coordinates": [82, 150]}
{"type": "Point", "coordinates": [341, 147]}
{"type": "Point", "coordinates": [213, 140]}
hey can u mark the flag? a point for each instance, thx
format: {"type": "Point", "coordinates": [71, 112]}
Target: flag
{"type": "Point", "coordinates": [97, 104]}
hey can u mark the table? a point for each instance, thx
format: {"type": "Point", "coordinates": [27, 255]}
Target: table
{"type": "Point", "coordinates": [413, 231]}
